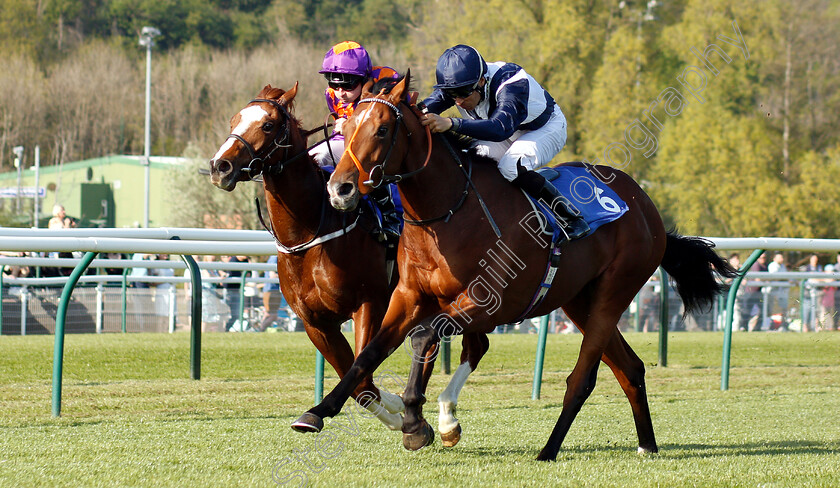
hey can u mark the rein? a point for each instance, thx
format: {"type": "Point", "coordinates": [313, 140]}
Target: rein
{"type": "Point", "coordinates": [278, 143]}
{"type": "Point", "coordinates": [264, 160]}
{"type": "Point", "coordinates": [386, 178]}
{"type": "Point", "coordinates": [277, 169]}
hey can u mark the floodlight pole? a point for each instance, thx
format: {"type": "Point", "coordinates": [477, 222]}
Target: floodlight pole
{"type": "Point", "coordinates": [147, 36]}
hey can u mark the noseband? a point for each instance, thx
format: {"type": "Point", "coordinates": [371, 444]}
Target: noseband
{"type": "Point", "coordinates": [379, 169]}
{"type": "Point", "coordinates": [257, 164]}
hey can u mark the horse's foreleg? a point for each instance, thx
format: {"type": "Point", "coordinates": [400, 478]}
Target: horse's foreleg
{"type": "Point", "coordinates": [630, 372]}
{"type": "Point", "coordinates": [475, 346]}
{"type": "Point", "coordinates": [389, 337]}
{"type": "Point", "coordinates": [416, 431]}
{"type": "Point", "coordinates": [332, 344]}
{"type": "Point", "coordinates": [367, 320]}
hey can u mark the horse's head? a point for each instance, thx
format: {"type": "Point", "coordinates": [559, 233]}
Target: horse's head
{"type": "Point", "coordinates": [256, 133]}
{"type": "Point", "coordinates": [376, 143]}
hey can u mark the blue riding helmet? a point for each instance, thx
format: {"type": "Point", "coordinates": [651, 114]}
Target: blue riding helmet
{"type": "Point", "coordinates": [459, 66]}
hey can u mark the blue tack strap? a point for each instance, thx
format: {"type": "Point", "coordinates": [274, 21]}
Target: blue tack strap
{"type": "Point", "coordinates": [548, 279]}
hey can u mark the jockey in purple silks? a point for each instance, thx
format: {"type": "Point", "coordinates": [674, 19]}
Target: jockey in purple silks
{"type": "Point", "coordinates": [347, 67]}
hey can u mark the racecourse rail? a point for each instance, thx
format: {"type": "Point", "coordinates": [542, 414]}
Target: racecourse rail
{"type": "Point", "coordinates": [187, 242]}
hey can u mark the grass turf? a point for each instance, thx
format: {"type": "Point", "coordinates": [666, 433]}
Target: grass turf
{"type": "Point", "coordinates": [131, 416]}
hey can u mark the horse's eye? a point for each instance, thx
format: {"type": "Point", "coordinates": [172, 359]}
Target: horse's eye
{"type": "Point", "coordinates": [382, 131]}
{"type": "Point", "coordinates": [268, 126]}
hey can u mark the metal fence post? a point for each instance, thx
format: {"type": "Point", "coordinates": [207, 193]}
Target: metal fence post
{"type": "Point", "coordinates": [124, 299]}
{"type": "Point", "coordinates": [663, 319]}
{"type": "Point", "coordinates": [319, 377]}
{"type": "Point", "coordinates": [730, 314]}
{"type": "Point", "coordinates": [538, 363]}
{"type": "Point", "coordinates": [99, 305]}
{"type": "Point", "coordinates": [61, 315]}
{"type": "Point", "coordinates": [24, 307]}
{"type": "Point", "coordinates": [195, 323]}
{"type": "Point", "coordinates": [172, 298]}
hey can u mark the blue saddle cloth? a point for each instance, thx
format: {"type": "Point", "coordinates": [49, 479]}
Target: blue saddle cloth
{"type": "Point", "coordinates": [597, 203]}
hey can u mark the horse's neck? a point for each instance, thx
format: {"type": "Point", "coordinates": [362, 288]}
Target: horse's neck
{"type": "Point", "coordinates": [295, 198]}
{"type": "Point", "coordinates": [433, 191]}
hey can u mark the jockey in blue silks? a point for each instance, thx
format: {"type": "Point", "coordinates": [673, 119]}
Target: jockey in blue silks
{"type": "Point", "coordinates": [513, 120]}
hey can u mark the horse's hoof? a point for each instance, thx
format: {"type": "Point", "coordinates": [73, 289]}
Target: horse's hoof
{"type": "Point", "coordinates": [449, 439]}
{"type": "Point", "coordinates": [648, 449]}
{"type": "Point", "coordinates": [414, 441]}
{"type": "Point", "coordinates": [545, 456]}
{"type": "Point", "coordinates": [308, 422]}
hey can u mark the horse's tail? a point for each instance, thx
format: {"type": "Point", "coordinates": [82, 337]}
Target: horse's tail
{"type": "Point", "coordinates": [695, 266]}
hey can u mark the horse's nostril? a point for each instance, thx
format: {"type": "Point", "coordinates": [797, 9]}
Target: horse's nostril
{"type": "Point", "coordinates": [345, 189]}
{"type": "Point", "coordinates": [223, 166]}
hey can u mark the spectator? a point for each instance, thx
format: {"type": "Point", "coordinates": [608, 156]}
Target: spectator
{"type": "Point", "coordinates": [232, 289]}
{"type": "Point", "coordinates": [649, 298]}
{"type": "Point", "coordinates": [828, 303]}
{"type": "Point", "coordinates": [779, 294]}
{"type": "Point", "coordinates": [141, 296]}
{"type": "Point", "coordinates": [271, 296]}
{"type": "Point", "coordinates": [752, 312]}
{"type": "Point", "coordinates": [737, 316]}
{"type": "Point", "coordinates": [60, 220]}
{"type": "Point", "coordinates": [163, 290]}
{"type": "Point", "coordinates": [211, 306]}
{"type": "Point", "coordinates": [812, 294]}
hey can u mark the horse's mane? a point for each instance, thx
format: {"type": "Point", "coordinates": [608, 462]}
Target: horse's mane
{"type": "Point", "coordinates": [388, 84]}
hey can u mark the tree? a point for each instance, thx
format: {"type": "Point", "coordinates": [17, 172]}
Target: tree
{"type": "Point", "coordinates": [23, 106]}
{"type": "Point", "coordinates": [716, 175]}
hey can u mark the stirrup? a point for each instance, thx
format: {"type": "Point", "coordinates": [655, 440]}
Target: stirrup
{"type": "Point", "coordinates": [573, 224]}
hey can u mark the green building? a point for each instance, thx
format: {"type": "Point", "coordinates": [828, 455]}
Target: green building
{"type": "Point", "coordinates": [101, 192]}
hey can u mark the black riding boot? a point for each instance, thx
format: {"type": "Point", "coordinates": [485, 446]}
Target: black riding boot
{"type": "Point", "coordinates": [390, 220]}
{"type": "Point", "coordinates": [535, 185]}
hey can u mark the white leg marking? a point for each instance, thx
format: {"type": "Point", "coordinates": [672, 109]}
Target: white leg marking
{"type": "Point", "coordinates": [449, 398]}
{"type": "Point", "coordinates": [393, 421]}
{"type": "Point", "coordinates": [392, 403]}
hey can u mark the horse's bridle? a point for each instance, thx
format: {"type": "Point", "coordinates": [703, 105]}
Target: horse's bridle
{"type": "Point", "coordinates": [385, 178]}
{"type": "Point", "coordinates": [256, 166]}
{"type": "Point", "coordinates": [380, 168]}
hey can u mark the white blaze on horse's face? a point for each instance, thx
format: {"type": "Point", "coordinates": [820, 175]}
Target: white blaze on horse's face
{"type": "Point", "coordinates": [248, 116]}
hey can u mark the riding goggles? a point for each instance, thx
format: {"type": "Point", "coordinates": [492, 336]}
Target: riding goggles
{"type": "Point", "coordinates": [342, 81]}
{"type": "Point", "coordinates": [460, 92]}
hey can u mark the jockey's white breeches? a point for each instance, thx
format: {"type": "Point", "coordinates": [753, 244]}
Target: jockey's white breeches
{"type": "Point", "coordinates": [531, 148]}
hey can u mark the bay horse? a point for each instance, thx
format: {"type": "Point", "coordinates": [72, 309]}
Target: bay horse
{"type": "Point", "coordinates": [329, 268]}
{"type": "Point", "coordinates": [457, 276]}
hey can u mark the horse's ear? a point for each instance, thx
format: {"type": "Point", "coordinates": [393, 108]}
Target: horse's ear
{"type": "Point", "coordinates": [401, 88]}
{"type": "Point", "coordinates": [366, 89]}
{"type": "Point", "coordinates": [289, 95]}
{"type": "Point", "coordinates": [265, 91]}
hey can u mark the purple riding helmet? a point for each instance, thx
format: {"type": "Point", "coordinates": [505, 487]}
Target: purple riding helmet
{"type": "Point", "coordinates": [346, 58]}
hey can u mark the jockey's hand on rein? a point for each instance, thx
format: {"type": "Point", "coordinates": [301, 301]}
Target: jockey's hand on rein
{"type": "Point", "coordinates": [437, 123]}
{"type": "Point", "coordinates": [338, 124]}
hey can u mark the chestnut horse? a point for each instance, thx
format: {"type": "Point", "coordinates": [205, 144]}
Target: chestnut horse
{"type": "Point", "coordinates": [329, 269]}
{"type": "Point", "coordinates": [458, 277]}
